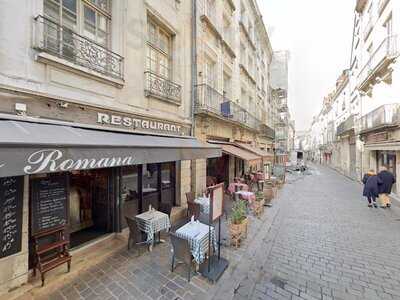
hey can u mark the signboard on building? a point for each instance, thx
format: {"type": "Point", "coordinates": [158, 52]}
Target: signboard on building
{"type": "Point", "coordinates": [140, 123]}
{"type": "Point", "coordinates": [11, 202]}
{"type": "Point", "coordinates": [49, 203]}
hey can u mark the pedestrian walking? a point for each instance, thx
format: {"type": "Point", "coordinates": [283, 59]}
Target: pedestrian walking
{"type": "Point", "coordinates": [371, 190]}
{"type": "Point", "coordinates": [385, 188]}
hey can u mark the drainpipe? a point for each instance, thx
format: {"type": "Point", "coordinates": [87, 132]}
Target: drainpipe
{"type": "Point", "coordinates": [194, 63]}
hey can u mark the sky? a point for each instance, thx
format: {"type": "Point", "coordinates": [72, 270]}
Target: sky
{"type": "Point", "coordinates": [318, 35]}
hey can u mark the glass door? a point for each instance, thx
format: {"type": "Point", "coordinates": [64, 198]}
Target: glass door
{"type": "Point", "coordinates": [168, 183]}
{"type": "Point", "coordinates": [130, 194]}
{"type": "Point", "coordinates": [150, 186]}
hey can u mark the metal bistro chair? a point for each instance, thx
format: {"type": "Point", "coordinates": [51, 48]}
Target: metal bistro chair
{"type": "Point", "coordinates": [135, 235]}
{"type": "Point", "coordinates": [181, 252]}
{"type": "Point", "coordinates": [165, 208]}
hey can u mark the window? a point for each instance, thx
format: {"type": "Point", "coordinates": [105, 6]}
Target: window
{"type": "Point", "coordinates": [242, 54]}
{"type": "Point", "coordinates": [389, 26]}
{"type": "Point", "coordinates": [210, 73]}
{"type": "Point", "coordinates": [158, 50]}
{"type": "Point", "coordinates": [227, 86]}
{"type": "Point", "coordinates": [90, 18]}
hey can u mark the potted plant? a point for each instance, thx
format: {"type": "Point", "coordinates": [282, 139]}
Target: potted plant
{"type": "Point", "coordinates": [238, 224]}
{"type": "Point", "coordinates": [258, 205]}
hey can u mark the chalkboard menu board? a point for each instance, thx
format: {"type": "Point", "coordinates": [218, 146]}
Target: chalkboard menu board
{"type": "Point", "coordinates": [49, 203]}
{"type": "Point", "coordinates": [11, 202]}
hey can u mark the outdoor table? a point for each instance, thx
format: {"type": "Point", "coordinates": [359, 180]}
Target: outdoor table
{"type": "Point", "coordinates": [196, 234]}
{"type": "Point", "coordinates": [204, 204]}
{"type": "Point", "coordinates": [248, 196]}
{"type": "Point", "coordinates": [152, 222]}
{"type": "Point", "coordinates": [232, 187]}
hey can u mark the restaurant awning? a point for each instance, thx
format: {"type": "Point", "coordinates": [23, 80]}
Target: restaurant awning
{"type": "Point", "coordinates": [33, 148]}
{"type": "Point", "coordinates": [264, 154]}
{"type": "Point", "coordinates": [237, 152]}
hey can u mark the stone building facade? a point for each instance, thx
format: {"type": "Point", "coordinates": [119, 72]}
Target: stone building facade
{"type": "Point", "coordinates": [232, 103]}
{"type": "Point", "coordinates": [366, 103]}
{"type": "Point", "coordinates": [113, 102]}
{"type": "Point", "coordinates": [101, 78]}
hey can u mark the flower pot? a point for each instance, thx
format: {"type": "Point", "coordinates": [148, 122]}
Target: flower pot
{"type": "Point", "coordinates": [235, 234]}
{"type": "Point", "coordinates": [268, 193]}
{"type": "Point", "coordinates": [243, 227]}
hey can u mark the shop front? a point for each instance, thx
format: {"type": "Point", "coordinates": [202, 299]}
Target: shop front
{"type": "Point", "coordinates": [86, 180]}
{"type": "Point", "coordinates": [234, 162]}
{"type": "Point", "coordinates": [267, 158]}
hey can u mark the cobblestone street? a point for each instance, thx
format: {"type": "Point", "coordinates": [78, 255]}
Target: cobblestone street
{"type": "Point", "coordinates": [326, 244]}
{"type": "Point", "coordinates": [318, 241]}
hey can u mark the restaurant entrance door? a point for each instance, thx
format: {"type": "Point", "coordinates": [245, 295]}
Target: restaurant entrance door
{"type": "Point", "coordinates": [90, 205]}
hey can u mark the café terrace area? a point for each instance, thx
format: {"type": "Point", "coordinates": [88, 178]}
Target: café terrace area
{"type": "Point", "coordinates": [161, 258]}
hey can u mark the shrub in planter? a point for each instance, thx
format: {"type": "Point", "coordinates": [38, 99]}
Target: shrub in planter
{"type": "Point", "coordinates": [238, 224]}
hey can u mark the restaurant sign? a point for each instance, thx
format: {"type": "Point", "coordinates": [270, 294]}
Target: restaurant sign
{"type": "Point", "coordinates": [138, 123]}
{"type": "Point", "coordinates": [16, 161]}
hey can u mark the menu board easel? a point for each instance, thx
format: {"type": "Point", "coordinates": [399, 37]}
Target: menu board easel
{"type": "Point", "coordinates": [216, 264]}
{"type": "Point", "coordinates": [49, 203]}
{"type": "Point", "coordinates": [11, 203]}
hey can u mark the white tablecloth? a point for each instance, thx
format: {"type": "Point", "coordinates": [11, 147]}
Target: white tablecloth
{"type": "Point", "coordinates": [197, 235]}
{"type": "Point", "coordinates": [152, 222]}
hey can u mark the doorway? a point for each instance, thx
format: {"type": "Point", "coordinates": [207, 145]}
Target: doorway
{"type": "Point", "coordinates": [89, 206]}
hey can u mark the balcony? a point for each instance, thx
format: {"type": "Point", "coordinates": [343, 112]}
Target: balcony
{"type": "Point", "coordinates": [64, 43]}
{"type": "Point", "coordinates": [378, 64]}
{"type": "Point", "coordinates": [267, 131]}
{"type": "Point", "coordinates": [228, 43]}
{"type": "Point", "coordinates": [210, 101]}
{"type": "Point", "coordinates": [164, 89]}
{"type": "Point", "coordinates": [208, 15]}
{"type": "Point", "coordinates": [245, 29]}
{"type": "Point", "coordinates": [345, 126]}
{"type": "Point", "coordinates": [384, 116]}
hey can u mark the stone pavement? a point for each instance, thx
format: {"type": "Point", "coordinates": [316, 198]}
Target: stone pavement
{"type": "Point", "coordinates": [318, 241]}
{"type": "Point", "coordinates": [126, 275]}
{"type": "Point", "coordinates": [326, 244]}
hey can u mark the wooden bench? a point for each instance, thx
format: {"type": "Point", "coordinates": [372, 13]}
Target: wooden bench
{"type": "Point", "coordinates": [51, 250]}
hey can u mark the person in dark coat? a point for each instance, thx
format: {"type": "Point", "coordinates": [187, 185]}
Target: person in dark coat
{"type": "Point", "coordinates": [385, 188]}
{"type": "Point", "coordinates": [371, 190]}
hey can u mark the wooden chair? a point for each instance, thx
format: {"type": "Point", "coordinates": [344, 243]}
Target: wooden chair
{"type": "Point", "coordinates": [181, 252]}
{"type": "Point", "coordinates": [190, 196]}
{"type": "Point", "coordinates": [51, 250]}
{"type": "Point", "coordinates": [193, 210]}
{"type": "Point", "coordinates": [135, 235]}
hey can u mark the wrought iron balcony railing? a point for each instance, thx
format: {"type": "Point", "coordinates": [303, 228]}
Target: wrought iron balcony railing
{"type": "Point", "coordinates": [385, 115]}
{"type": "Point", "coordinates": [267, 131]}
{"type": "Point", "coordinates": [162, 88]}
{"type": "Point", "coordinates": [63, 42]}
{"type": "Point", "coordinates": [383, 55]}
{"type": "Point", "coordinates": [345, 126]}
{"type": "Point", "coordinates": [209, 100]}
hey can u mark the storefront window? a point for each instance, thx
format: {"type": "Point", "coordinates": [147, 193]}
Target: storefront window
{"type": "Point", "coordinates": [129, 194]}
{"type": "Point", "coordinates": [151, 187]}
{"type": "Point", "coordinates": [168, 183]}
